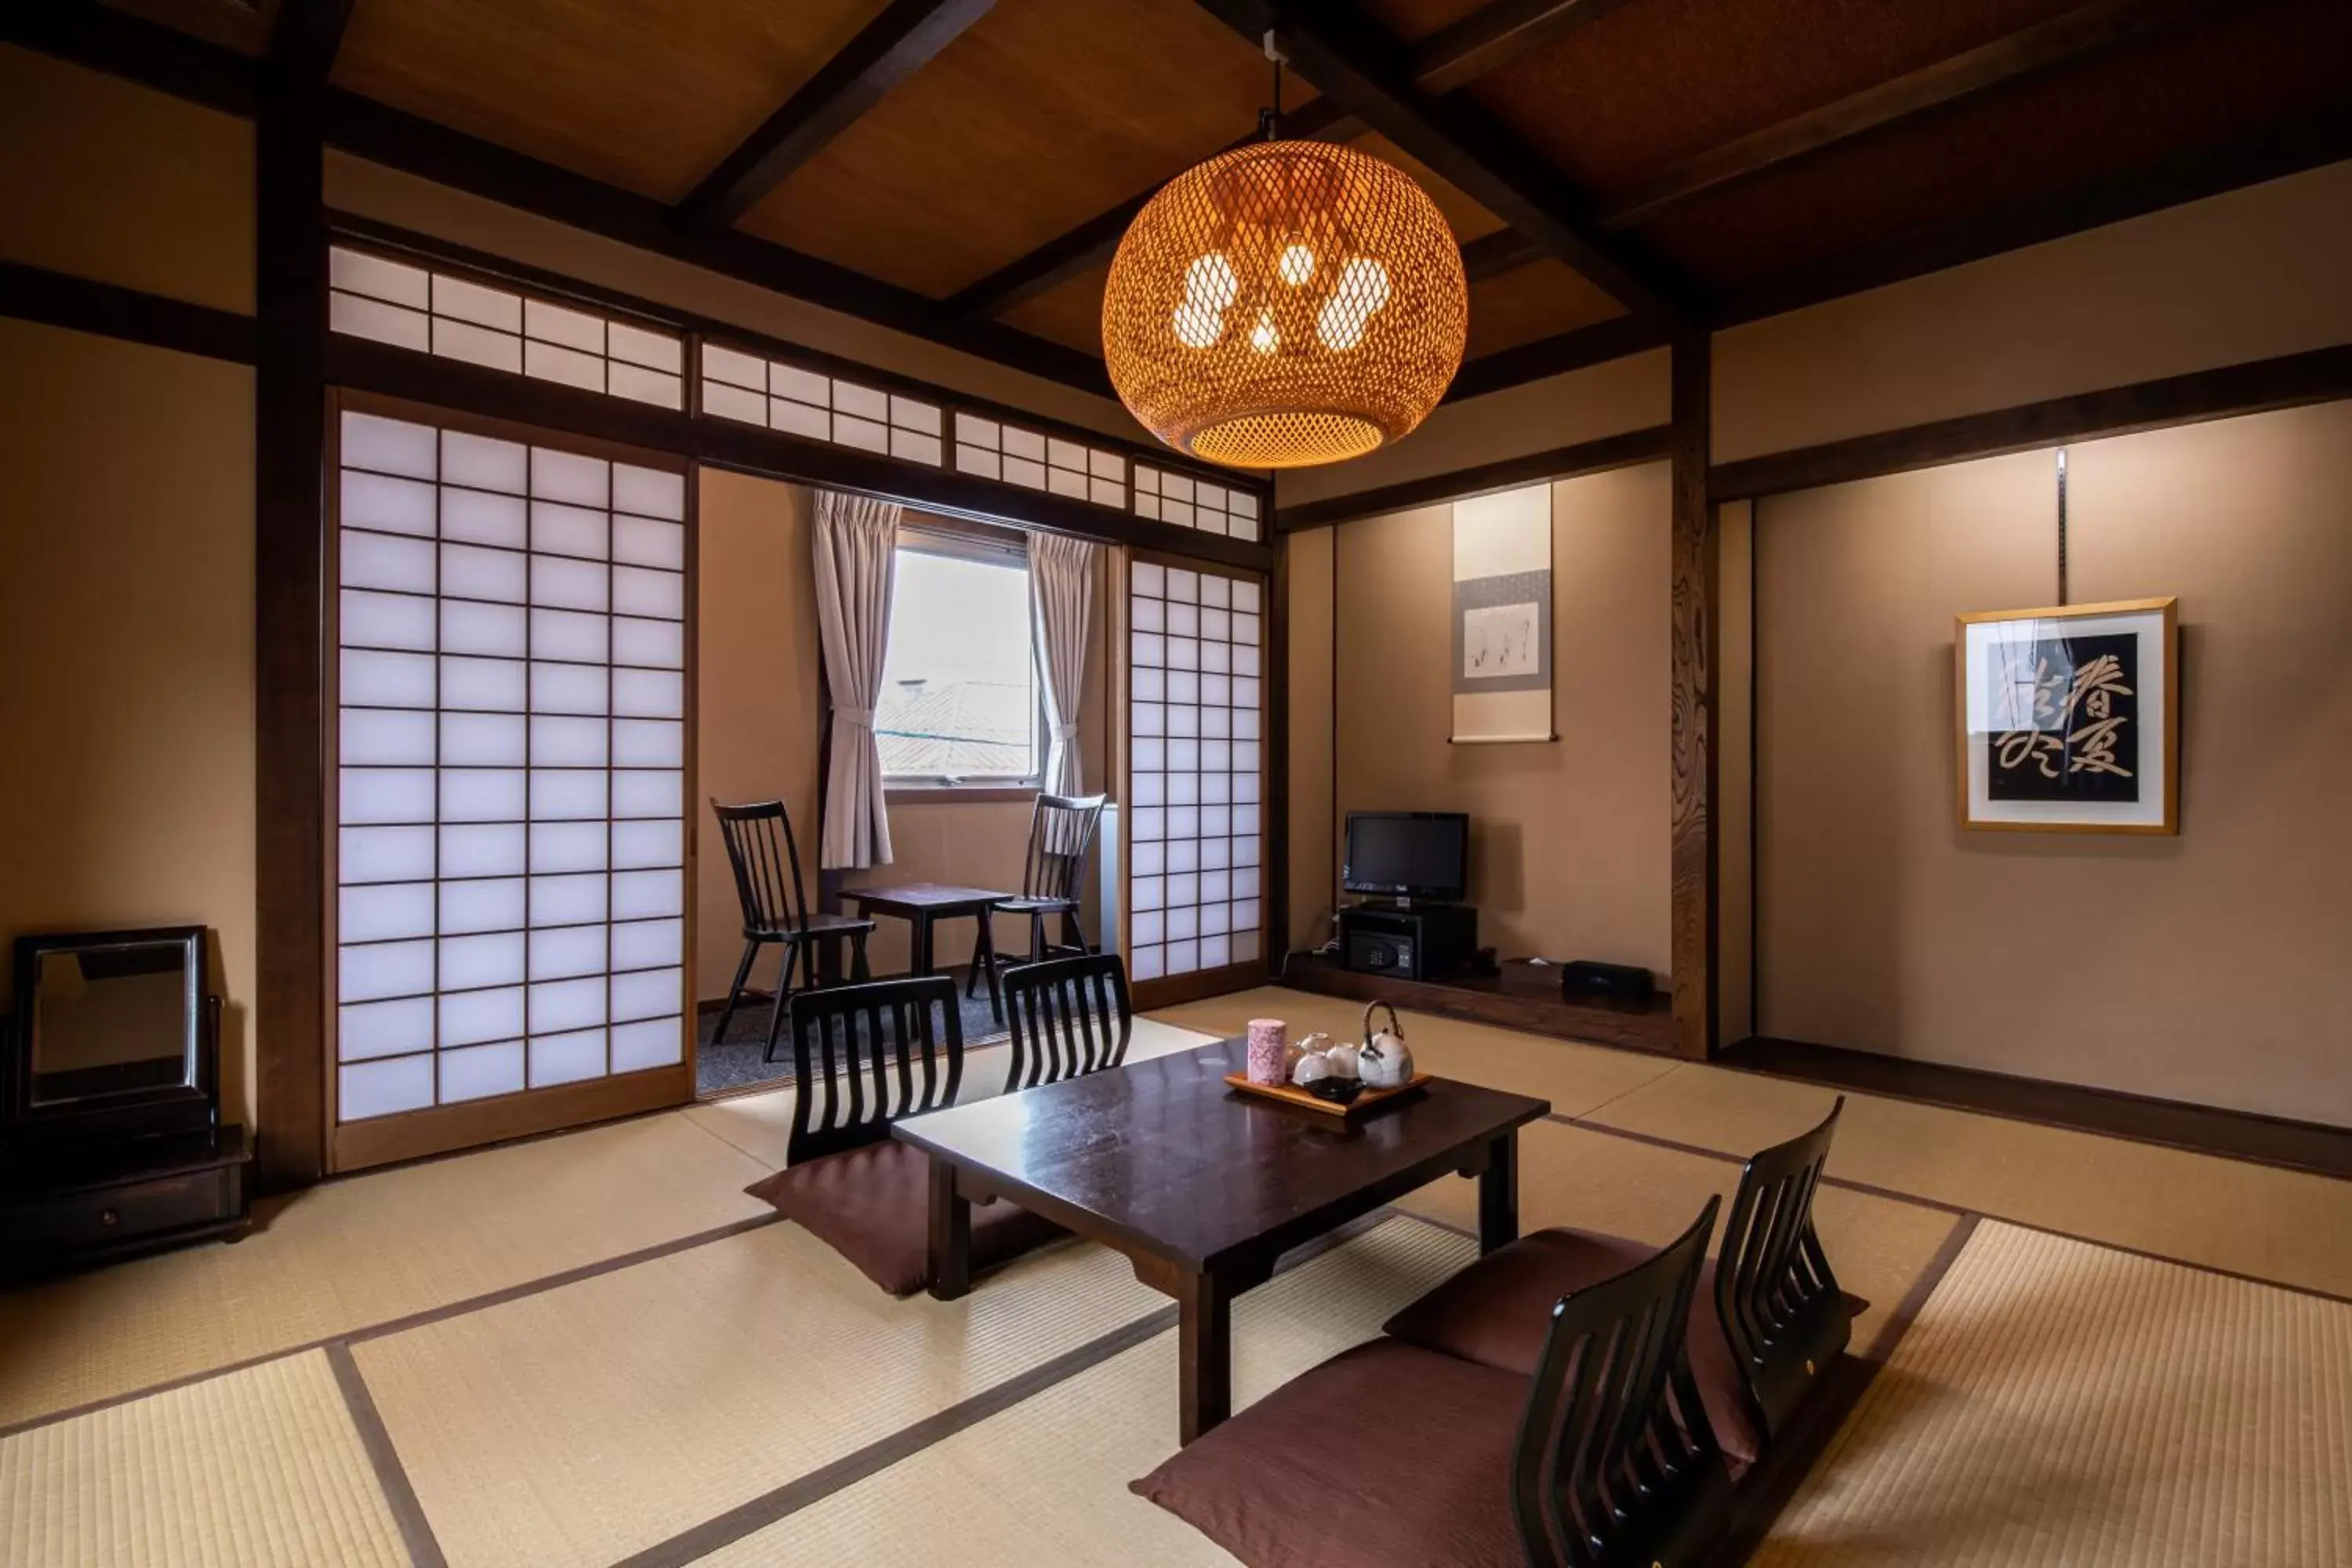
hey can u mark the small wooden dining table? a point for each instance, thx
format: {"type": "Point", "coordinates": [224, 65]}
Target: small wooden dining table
{"type": "Point", "coordinates": [922, 905]}
{"type": "Point", "coordinates": [1203, 1187]}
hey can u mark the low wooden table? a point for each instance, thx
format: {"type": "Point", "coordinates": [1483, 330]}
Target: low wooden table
{"type": "Point", "coordinates": [922, 905]}
{"type": "Point", "coordinates": [1203, 1187]}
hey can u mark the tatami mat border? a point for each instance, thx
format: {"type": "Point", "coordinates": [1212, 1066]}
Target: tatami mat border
{"type": "Point", "coordinates": [415, 1530]}
{"type": "Point", "coordinates": [765, 1510]}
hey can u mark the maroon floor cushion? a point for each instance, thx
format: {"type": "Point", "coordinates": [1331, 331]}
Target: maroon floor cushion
{"type": "Point", "coordinates": [873, 1207]}
{"type": "Point", "coordinates": [1497, 1311]}
{"type": "Point", "coordinates": [1387, 1456]}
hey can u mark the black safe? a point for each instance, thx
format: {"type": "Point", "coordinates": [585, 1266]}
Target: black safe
{"type": "Point", "coordinates": [1411, 942]}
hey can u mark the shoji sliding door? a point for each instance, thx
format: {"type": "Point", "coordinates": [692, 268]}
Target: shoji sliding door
{"type": "Point", "coordinates": [1196, 772]}
{"type": "Point", "coordinates": [512, 766]}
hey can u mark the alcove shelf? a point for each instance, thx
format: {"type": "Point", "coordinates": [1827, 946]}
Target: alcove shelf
{"type": "Point", "coordinates": [1518, 997]}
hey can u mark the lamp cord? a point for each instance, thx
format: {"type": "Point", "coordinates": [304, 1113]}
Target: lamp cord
{"type": "Point", "coordinates": [1269, 120]}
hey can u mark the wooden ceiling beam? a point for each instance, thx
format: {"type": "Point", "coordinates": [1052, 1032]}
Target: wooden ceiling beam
{"type": "Point", "coordinates": [1091, 243]}
{"type": "Point", "coordinates": [1575, 349]}
{"type": "Point", "coordinates": [905, 36]}
{"type": "Point", "coordinates": [2063, 40]}
{"type": "Point", "coordinates": [1348, 56]}
{"type": "Point", "coordinates": [1492, 255]}
{"type": "Point", "coordinates": [1493, 36]}
{"type": "Point", "coordinates": [306, 37]}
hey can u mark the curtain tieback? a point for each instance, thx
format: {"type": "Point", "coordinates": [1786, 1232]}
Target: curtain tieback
{"type": "Point", "coordinates": [861, 717]}
{"type": "Point", "coordinates": [1062, 734]}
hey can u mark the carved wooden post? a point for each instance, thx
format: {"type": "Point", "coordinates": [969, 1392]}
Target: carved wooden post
{"type": "Point", "coordinates": [1694, 656]}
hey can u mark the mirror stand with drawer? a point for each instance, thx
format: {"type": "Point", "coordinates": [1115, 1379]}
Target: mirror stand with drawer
{"type": "Point", "coordinates": [114, 1143]}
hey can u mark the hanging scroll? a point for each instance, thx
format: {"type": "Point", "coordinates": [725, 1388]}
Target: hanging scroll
{"type": "Point", "coordinates": [1502, 617]}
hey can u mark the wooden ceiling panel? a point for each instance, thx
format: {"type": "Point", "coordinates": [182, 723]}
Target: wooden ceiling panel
{"type": "Point", "coordinates": [232, 23]}
{"type": "Point", "coordinates": [2245, 73]}
{"type": "Point", "coordinates": [1538, 300]}
{"type": "Point", "coordinates": [1069, 313]}
{"type": "Point", "coordinates": [1414, 20]}
{"type": "Point", "coordinates": [1648, 84]}
{"type": "Point", "coordinates": [1468, 220]}
{"type": "Point", "coordinates": [647, 97]}
{"type": "Point", "coordinates": [1043, 114]}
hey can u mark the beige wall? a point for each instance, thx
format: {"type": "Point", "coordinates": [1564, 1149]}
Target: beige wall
{"type": "Point", "coordinates": [758, 722]}
{"type": "Point", "coordinates": [756, 715]}
{"type": "Point", "coordinates": [126, 651]}
{"type": "Point", "coordinates": [1582, 405]}
{"type": "Point", "coordinates": [2208, 967]}
{"type": "Point", "coordinates": [106, 180]}
{"type": "Point", "coordinates": [2244, 276]}
{"type": "Point", "coordinates": [1569, 841]}
{"type": "Point", "coordinates": [1314, 871]}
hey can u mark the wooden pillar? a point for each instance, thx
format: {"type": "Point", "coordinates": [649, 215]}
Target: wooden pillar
{"type": "Point", "coordinates": [1274, 816]}
{"type": "Point", "coordinates": [290, 772]}
{"type": "Point", "coordinates": [1696, 653]}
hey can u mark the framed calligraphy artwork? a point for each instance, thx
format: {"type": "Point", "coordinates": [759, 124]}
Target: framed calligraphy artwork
{"type": "Point", "coordinates": [2068, 718]}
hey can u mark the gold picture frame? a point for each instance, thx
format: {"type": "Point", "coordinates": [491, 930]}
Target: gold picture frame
{"type": "Point", "coordinates": [2056, 713]}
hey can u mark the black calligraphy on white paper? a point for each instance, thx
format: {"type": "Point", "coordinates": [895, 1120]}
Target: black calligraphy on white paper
{"type": "Point", "coordinates": [2065, 719]}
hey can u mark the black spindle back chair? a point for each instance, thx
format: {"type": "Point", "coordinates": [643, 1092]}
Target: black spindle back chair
{"type": "Point", "coordinates": [1061, 833]}
{"type": "Point", "coordinates": [767, 864]}
{"type": "Point", "coordinates": [865, 1055]}
{"type": "Point", "coordinates": [1069, 1017]}
{"type": "Point", "coordinates": [1781, 1305]}
{"type": "Point", "coordinates": [1615, 1461]}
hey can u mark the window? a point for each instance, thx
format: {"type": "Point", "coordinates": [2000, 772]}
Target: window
{"type": "Point", "coordinates": [960, 701]}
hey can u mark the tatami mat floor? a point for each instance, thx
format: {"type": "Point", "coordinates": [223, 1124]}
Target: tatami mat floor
{"type": "Point", "coordinates": [595, 1349]}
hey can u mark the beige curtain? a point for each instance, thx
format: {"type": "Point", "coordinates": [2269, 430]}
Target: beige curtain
{"type": "Point", "coordinates": [856, 556]}
{"type": "Point", "coordinates": [1062, 585]}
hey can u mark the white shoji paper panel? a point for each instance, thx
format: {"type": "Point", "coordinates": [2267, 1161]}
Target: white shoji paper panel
{"type": "Point", "coordinates": [411, 307]}
{"type": "Point", "coordinates": [1194, 503]}
{"type": "Point", "coordinates": [1196, 715]}
{"type": "Point", "coordinates": [1013, 456]}
{"type": "Point", "coordinates": [756, 390]}
{"type": "Point", "coordinates": [511, 818]}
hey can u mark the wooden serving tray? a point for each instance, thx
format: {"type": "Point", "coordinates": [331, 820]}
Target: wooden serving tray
{"type": "Point", "coordinates": [1291, 1094]}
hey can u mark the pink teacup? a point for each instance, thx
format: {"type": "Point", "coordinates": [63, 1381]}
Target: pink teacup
{"type": "Point", "coordinates": [1268, 1037]}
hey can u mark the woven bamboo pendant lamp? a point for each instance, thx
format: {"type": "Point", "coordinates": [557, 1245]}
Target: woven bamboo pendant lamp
{"type": "Point", "coordinates": [1285, 304]}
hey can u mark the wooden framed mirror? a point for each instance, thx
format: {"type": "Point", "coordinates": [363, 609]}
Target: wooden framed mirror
{"type": "Point", "coordinates": [114, 1034]}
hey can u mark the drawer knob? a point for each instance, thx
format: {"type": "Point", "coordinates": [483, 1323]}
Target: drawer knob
{"type": "Point", "coordinates": [110, 1217]}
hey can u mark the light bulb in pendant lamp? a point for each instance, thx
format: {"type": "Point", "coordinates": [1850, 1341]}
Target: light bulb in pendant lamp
{"type": "Point", "coordinates": [1285, 304]}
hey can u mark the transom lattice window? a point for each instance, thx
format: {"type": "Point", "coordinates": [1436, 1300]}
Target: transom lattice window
{"type": "Point", "coordinates": [996, 450]}
{"type": "Point", "coordinates": [1188, 503]}
{"type": "Point", "coordinates": [411, 307]}
{"type": "Point", "coordinates": [510, 767]}
{"type": "Point", "coordinates": [1196, 710]}
{"type": "Point", "coordinates": [782, 396]}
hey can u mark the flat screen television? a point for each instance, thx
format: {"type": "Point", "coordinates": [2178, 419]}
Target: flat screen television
{"type": "Point", "coordinates": [1407, 854]}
